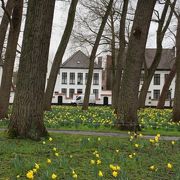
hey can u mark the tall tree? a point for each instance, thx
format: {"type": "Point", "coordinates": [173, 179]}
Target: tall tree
{"type": "Point", "coordinates": [27, 114]}
{"type": "Point", "coordinates": [165, 89]}
{"type": "Point", "coordinates": [5, 21]}
{"type": "Point", "coordinates": [128, 99]}
{"type": "Point", "coordinates": [163, 25]}
{"type": "Point", "coordinates": [59, 55]}
{"type": "Point", "coordinates": [176, 107]}
{"type": "Point", "coordinates": [10, 55]}
{"type": "Point", "coordinates": [93, 55]}
{"type": "Point", "coordinates": [122, 45]}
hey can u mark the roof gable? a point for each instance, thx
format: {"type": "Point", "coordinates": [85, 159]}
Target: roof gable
{"type": "Point", "coordinates": [78, 61]}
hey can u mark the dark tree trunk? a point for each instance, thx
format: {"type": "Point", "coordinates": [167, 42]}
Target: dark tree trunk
{"type": "Point", "coordinates": [26, 120]}
{"type": "Point", "coordinates": [4, 23]}
{"type": "Point", "coordinates": [128, 105]}
{"type": "Point", "coordinates": [176, 107]}
{"type": "Point", "coordinates": [165, 89]}
{"type": "Point", "coordinates": [122, 45]}
{"type": "Point", "coordinates": [59, 55]}
{"type": "Point", "coordinates": [93, 55]}
{"type": "Point", "coordinates": [10, 55]}
{"type": "Point", "coordinates": [160, 35]}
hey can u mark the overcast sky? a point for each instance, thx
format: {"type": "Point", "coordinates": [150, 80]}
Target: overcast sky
{"type": "Point", "coordinates": [60, 17]}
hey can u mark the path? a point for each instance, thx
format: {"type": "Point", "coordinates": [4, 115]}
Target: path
{"type": "Point", "coordinates": [92, 133]}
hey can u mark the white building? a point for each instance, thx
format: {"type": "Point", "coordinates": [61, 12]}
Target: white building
{"type": "Point", "coordinates": [72, 77]}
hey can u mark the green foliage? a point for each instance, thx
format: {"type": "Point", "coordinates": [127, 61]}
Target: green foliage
{"type": "Point", "coordinates": [18, 156]}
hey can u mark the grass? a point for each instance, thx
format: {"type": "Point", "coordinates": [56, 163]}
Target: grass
{"type": "Point", "coordinates": [18, 156]}
{"type": "Point", "coordinates": [102, 119]}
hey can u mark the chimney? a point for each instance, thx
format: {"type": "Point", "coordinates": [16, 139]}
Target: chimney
{"type": "Point", "coordinates": [100, 61]}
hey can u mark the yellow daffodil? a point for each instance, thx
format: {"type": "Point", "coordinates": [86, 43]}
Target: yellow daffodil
{"type": "Point", "coordinates": [152, 168]}
{"type": "Point", "coordinates": [117, 150]}
{"type": "Point", "coordinates": [151, 141]}
{"type": "Point", "coordinates": [130, 156]}
{"type": "Point", "coordinates": [18, 176]}
{"type": "Point", "coordinates": [169, 166]}
{"type": "Point", "coordinates": [49, 161]}
{"type": "Point", "coordinates": [71, 156]}
{"type": "Point", "coordinates": [44, 142]}
{"type": "Point", "coordinates": [140, 135]}
{"type": "Point", "coordinates": [98, 161]}
{"type": "Point", "coordinates": [99, 138]}
{"type": "Point", "coordinates": [158, 135]}
{"type": "Point", "coordinates": [115, 173]}
{"type": "Point", "coordinates": [50, 139]}
{"type": "Point", "coordinates": [156, 139]}
{"type": "Point", "coordinates": [37, 166]}
{"type": "Point", "coordinates": [30, 174]}
{"type": "Point", "coordinates": [74, 176]}
{"type": "Point", "coordinates": [129, 132]}
{"type": "Point", "coordinates": [118, 168]}
{"type": "Point", "coordinates": [97, 155]}
{"type": "Point", "coordinates": [56, 154]}
{"type": "Point", "coordinates": [136, 145]}
{"type": "Point", "coordinates": [92, 161]}
{"type": "Point", "coordinates": [100, 174]}
{"type": "Point", "coordinates": [54, 176]}
{"type": "Point", "coordinates": [35, 170]}
{"type": "Point", "coordinates": [134, 154]}
{"type": "Point", "coordinates": [54, 149]}
{"type": "Point", "coordinates": [172, 142]}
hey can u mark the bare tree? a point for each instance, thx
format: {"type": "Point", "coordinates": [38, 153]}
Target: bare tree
{"type": "Point", "coordinates": [5, 21]}
{"type": "Point", "coordinates": [59, 55]}
{"type": "Point", "coordinates": [93, 55]}
{"type": "Point", "coordinates": [27, 114]}
{"type": "Point", "coordinates": [10, 55]}
{"type": "Point", "coordinates": [176, 107]}
{"type": "Point", "coordinates": [128, 99]}
{"type": "Point", "coordinates": [162, 28]}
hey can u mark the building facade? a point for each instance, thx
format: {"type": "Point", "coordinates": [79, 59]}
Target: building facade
{"type": "Point", "coordinates": [73, 75]}
{"type": "Point", "coordinates": [158, 80]}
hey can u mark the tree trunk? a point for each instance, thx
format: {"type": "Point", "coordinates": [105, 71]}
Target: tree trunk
{"type": "Point", "coordinates": [59, 55]}
{"type": "Point", "coordinates": [26, 120]}
{"type": "Point", "coordinates": [122, 45]}
{"type": "Point", "coordinates": [166, 86]}
{"type": "Point", "coordinates": [10, 55]}
{"type": "Point", "coordinates": [4, 23]}
{"type": "Point", "coordinates": [160, 35]}
{"type": "Point", "coordinates": [176, 107]}
{"type": "Point", "coordinates": [93, 55]}
{"type": "Point", "coordinates": [128, 99]}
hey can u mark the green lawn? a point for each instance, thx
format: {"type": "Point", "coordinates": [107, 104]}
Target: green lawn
{"type": "Point", "coordinates": [18, 156]}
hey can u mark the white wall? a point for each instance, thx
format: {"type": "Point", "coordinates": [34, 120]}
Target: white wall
{"type": "Point", "coordinates": [76, 86]}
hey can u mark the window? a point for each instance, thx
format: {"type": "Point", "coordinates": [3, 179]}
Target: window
{"type": "Point", "coordinates": [79, 91]}
{"type": "Point", "coordinates": [156, 94]}
{"type": "Point", "coordinates": [71, 93]}
{"type": "Point", "coordinates": [156, 79]}
{"type": "Point", "coordinates": [96, 92]}
{"type": "Point", "coordinates": [86, 77]}
{"type": "Point", "coordinates": [72, 78]}
{"type": "Point", "coordinates": [64, 78]}
{"type": "Point", "coordinates": [96, 79]}
{"type": "Point", "coordinates": [168, 97]}
{"type": "Point", "coordinates": [64, 91]}
{"type": "Point", "coordinates": [80, 78]}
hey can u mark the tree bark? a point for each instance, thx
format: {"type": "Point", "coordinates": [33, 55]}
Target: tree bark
{"type": "Point", "coordinates": [93, 55]}
{"type": "Point", "coordinates": [10, 55]}
{"type": "Point", "coordinates": [4, 23]}
{"type": "Point", "coordinates": [176, 107]}
{"type": "Point", "coordinates": [59, 55]}
{"type": "Point", "coordinates": [26, 120]}
{"type": "Point", "coordinates": [122, 45]}
{"type": "Point", "coordinates": [166, 86]}
{"type": "Point", "coordinates": [160, 35]}
{"type": "Point", "coordinates": [128, 99]}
